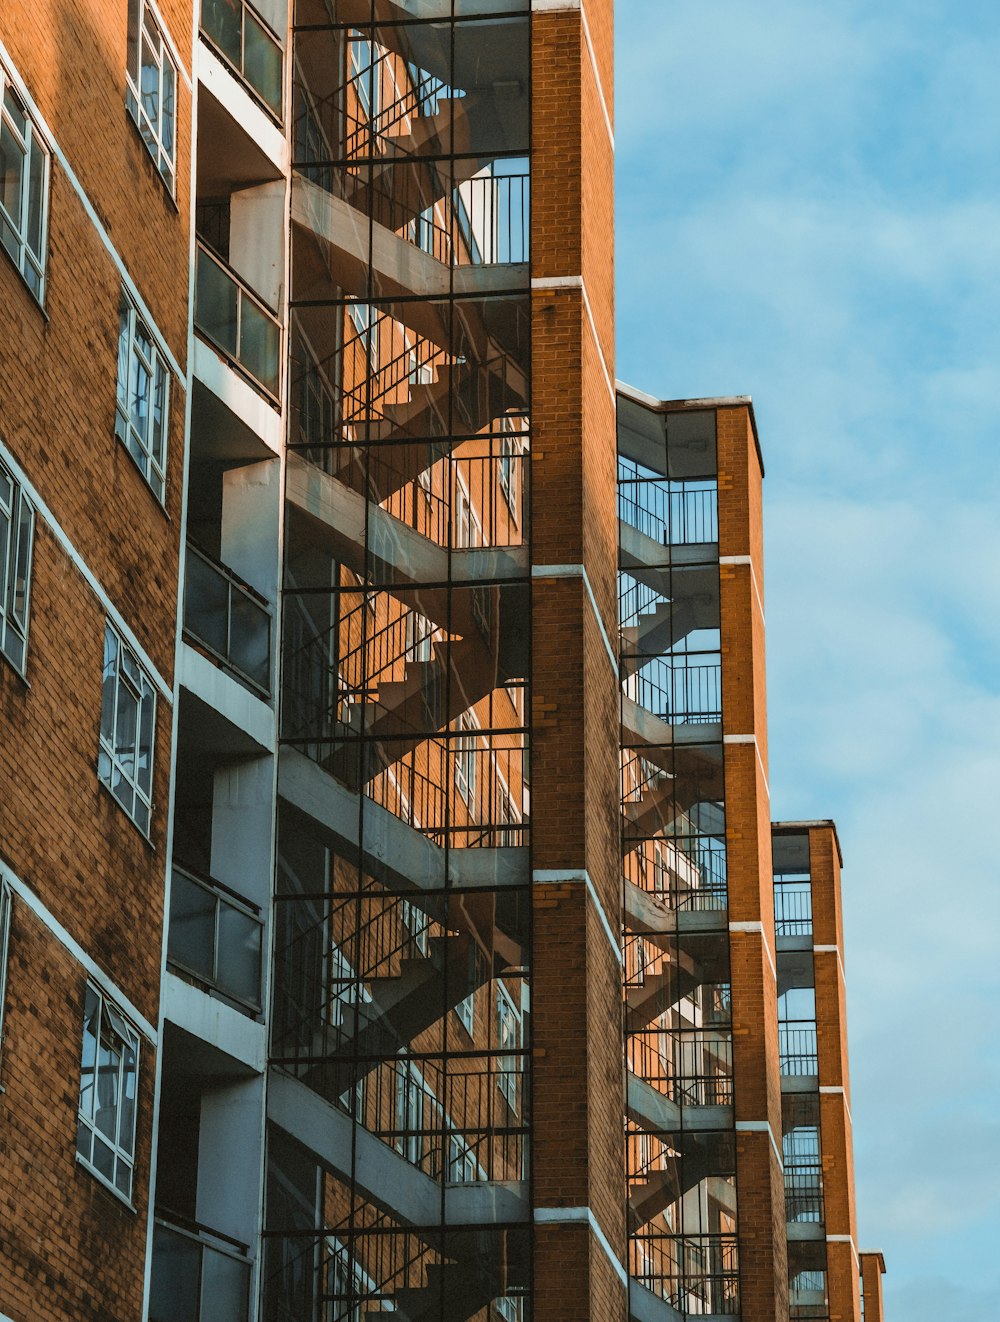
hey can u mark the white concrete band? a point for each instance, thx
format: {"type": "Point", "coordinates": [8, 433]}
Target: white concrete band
{"type": "Point", "coordinates": [580, 1216]}
{"type": "Point", "coordinates": [28, 897]}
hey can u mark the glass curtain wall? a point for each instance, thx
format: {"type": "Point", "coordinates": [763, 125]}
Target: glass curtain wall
{"type": "Point", "coordinates": [680, 1151]}
{"type": "Point", "coordinates": [402, 965]}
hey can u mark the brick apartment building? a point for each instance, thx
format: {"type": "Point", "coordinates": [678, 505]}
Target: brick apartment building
{"type": "Point", "coordinates": [391, 919]}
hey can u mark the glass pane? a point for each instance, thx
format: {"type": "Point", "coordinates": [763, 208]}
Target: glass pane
{"type": "Point", "coordinates": [123, 1177]}
{"type": "Point", "coordinates": [158, 435]}
{"type": "Point", "coordinates": [225, 1284]}
{"type": "Point", "coordinates": [206, 597]}
{"type": "Point", "coordinates": [250, 636]}
{"type": "Point", "coordinates": [259, 346]}
{"type": "Point", "coordinates": [88, 1062]}
{"type": "Point", "coordinates": [15, 109]}
{"type": "Point", "coordinates": [169, 99]}
{"type": "Point", "coordinates": [36, 185]}
{"type": "Point", "coordinates": [176, 1269]}
{"type": "Point", "coordinates": [221, 20]}
{"type": "Point", "coordinates": [126, 1121]}
{"type": "Point", "coordinates": [262, 62]}
{"type": "Point", "coordinates": [124, 324]}
{"type": "Point", "coordinates": [144, 768]}
{"type": "Point", "coordinates": [132, 58]}
{"type": "Point", "coordinates": [11, 173]}
{"type": "Point", "coordinates": [103, 1159]}
{"type": "Point", "coordinates": [139, 387]}
{"type": "Point", "coordinates": [239, 954]}
{"type": "Point", "coordinates": [22, 565]}
{"type": "Point", "coordinates": [108, 1084]}
{"type": "Point", "coordinates": [215, 303]}
{"type": "Point", "coordinates": [126, 730]}
{"type": "Point", "coordinates": [191, 940]}
{"type": "Point", "coordinates": [108, 688]}
{"type": "Point", "coordinates": [149, 83]}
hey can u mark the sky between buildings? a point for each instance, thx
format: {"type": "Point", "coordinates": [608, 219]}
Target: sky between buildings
{"type": "Point", "coordinates": [809, 212]}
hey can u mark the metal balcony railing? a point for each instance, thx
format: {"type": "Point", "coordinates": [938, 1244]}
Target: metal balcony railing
{"type": "Point", "coordinates": [681, 689]}
{"type": "Point", "coordinates": [228, 618]}
{"type": "Point", "coordinates": [804, 1193]}
{"type": "Point", "coordinates": [198, 1274]}
{"type": "Point", "coordinates": [216, 936]}
{"type": "Point", "coordinates": [231, 316]}
{"type": "Point", "coordinates": [792, 907]}
{"type": "Point", "coordinates": [695, 1274]}
{"type": "Point", "coordinates": [672, 513]}
{"type": "Point", "coordinates": [797, 1048]}
{"type": "Point", "coordinates": [242, 38]}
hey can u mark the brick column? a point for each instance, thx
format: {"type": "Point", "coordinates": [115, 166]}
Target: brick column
{"type": "Point", "coordinates": [834, 1082]}
{"type": "Point", "coordinates": [577, 1149]}
{"type": "Point", "coordinates": [872, 1271]}
{"type": "Point", "coordinates": [756, 1076]}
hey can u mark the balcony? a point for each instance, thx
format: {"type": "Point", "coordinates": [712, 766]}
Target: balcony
{"type": "Point", "coordinates": [695, 1274]}
{"type": "Point", "coordinates": [797, 1049]}
{"type": "Point", "coordinates": [672, 513]}
{"type": "Point", "coordinates": [228, 619]}
{"type": "Point", "coordinates": [248, 46]}
{"type": "Point", "coordinates": [199, 1275]}
{"type": "Point", "coordinates": [681, 688]}
{"type": "Point", "coordinates": [792, 907]}
{"type": "Point", "coordinates": [216, 937]}
{"type": "Point", "coordinates": [236, 322]}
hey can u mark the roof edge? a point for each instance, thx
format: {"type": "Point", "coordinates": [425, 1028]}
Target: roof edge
{"type": "Point", "coordinates": [805, 825]}
{"type": "Point", "coordinates": [683, 405]}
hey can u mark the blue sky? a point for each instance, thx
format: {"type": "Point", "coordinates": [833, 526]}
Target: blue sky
{"type": "Point", "coordinates": [809, 212]}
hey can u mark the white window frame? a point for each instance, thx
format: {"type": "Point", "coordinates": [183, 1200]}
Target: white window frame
{"type": "Point", "coordinates": [410, 1095]}
{"type": "Point", "coordinates": [468, 524]}
{"type": "Point", "coordinates": [141, 420]}
{"type": "Point", "coordinates": [466, 1011]}
{"type": "Point", "coordinates": [23, 236]}
{"type": "Point", "coordinates": [419, 637]}
{"type": "Point", "coordinates": [113, 1033]}
{"type": "Point", "coordinates": [507, 470]}
{"type": "Point", "coordinates": [6, 908]}
{"type": "Point", "coordinates": [17, 535]}
{"type": "Point", "coordinates": [465, 758]}
{"type": "Point", "coordinates": [510, 1036]}
{"type": "Point", "coordinates": [152, 110]}
{"type": "Point", "coordinates": [132, 788]}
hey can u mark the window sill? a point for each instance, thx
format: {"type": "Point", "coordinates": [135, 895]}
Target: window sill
{"type": "Point", "coordinates": [103, 1180]}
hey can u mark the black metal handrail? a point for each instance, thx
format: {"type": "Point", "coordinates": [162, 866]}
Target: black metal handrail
{"type": "Point", "coordinates": [674, 513]}
{"type": "Point", "coordinates": [228, 618]}
{"type": "Point", "coordinates": [695, 1274]}
{"type": "Point", "coordinates": [793, 908]}
{"type": "Point", "coordinates": [798, 1048]}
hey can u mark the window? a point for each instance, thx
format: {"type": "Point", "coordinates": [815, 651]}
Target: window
{"type": "Point", "coordinates": [508, 470]}
{"type": "Point", "coordinates": [465, 760]}
{"type": "Point", "coordinates": [409, 1112]}
{"type": "Point", "coordinates": [419, 637]}
{"type": "Point", "coordinates": [5, 908]}
{"type": "Point", "coordinates": [466, 1011]}
{"type": "Point", "coordinates": [468, 525]}
{"type": "Point", "coordinates": [17, 521]}
{"type": "Point", "coordinates": [24, 186]}
{"type": "Point", "coordinates": [128, 713]}
{"type": "Point", "coordinates": [143, 396]}
{"type": "Point", "coordinates": [508, 1039]}
{"type": "Point", "coordinates": [105, 1140]}
{"type": "Point", "coordinates": [151, 95]}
